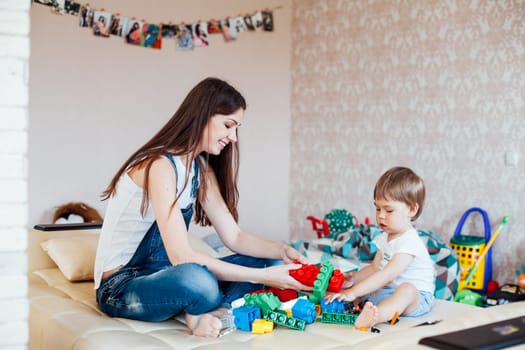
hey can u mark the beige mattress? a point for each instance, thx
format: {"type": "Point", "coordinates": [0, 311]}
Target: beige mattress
{"type": "Point", "coordinates": [64, 315]}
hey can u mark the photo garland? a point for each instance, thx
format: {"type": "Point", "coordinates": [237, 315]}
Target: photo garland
{"type": "Point", "coordinates": [186, 37]}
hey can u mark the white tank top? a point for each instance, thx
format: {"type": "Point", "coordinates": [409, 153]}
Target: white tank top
{"type": "Point", "coordinates": [124, 227]}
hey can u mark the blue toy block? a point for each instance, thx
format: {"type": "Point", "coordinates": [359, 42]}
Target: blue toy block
{"type": "Point", "coordinates": [334, 306]}
{"type": "Point", "coordinates": [244, 317]}
{"type": "Point", "coordinates": [304, 310]}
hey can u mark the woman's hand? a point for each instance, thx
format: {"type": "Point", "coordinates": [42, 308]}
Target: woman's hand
{"type": "Point", "coordinates": [291, 255]}
{"type": "Point", "coordinates": [349, 280]}
{"type": "Point", "coordinates": [279, 276]}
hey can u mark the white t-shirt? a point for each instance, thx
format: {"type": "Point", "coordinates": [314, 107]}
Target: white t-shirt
{"type": "Point", "coordinates": [124, 227]}
{"type": "Point", "coordinates": [420, 272]}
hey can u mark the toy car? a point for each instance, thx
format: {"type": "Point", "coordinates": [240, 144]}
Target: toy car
{"type": "Point", "coordinates": [505, 294]}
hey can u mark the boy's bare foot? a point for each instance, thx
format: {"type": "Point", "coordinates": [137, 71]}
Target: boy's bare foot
{"type": "Point", "coordinates": [368, 316]}
{"type": "Point", "coordinates": [205, 325]}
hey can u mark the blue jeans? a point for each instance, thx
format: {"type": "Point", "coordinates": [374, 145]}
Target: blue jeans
{"type": "Point", "coordinates": [149, 288]}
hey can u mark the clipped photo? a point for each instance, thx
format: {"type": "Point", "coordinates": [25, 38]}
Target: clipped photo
{"type": "Point", "coordinates": [214, 27]}
{"type": "Point", "coordinates": [228, 32]}
{"type": "Point", "coordinates": [133, 32]}
{"type": "Point", "coordinates": [240, 26]}
{"type": "Point", "coordinates": [102, 22]}
{"type": "Point", "coordinates": [71, 7]}
{"type": "Point", "coordinates": [151, 35]}
{"type": "Point", "coordinates": [184, 39]}
{"type": "Point", "coordinates": [85, 16]}
{"type": "Point", "coordinates": [267, 17]}
{"type": "Point", "coordinates": [168, 31]}
{"type": "Point", "coordinates": [257, 20]}
{"type": "Point", "coordinates": [118, 25]}
{"type": "Point", "coordinates": [200, 34]}
{"type": "Point", "coordinates": [248, 22]}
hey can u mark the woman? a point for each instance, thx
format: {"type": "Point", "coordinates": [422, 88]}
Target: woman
{"type": "Point", "coordinates": [145, 267]}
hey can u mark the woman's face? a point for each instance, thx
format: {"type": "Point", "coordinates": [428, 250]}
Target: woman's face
{"type": "Point", "coordinates": [220, 131]}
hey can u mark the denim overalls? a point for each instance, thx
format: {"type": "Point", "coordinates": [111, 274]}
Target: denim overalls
{"type": "Point", "coordinates": [149, 288]}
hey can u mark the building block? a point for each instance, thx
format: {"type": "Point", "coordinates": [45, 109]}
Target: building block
{"type": "Point", "coordinates": [261, 326]}
{"type": "Point", "coordinates": [334, 306]}
{"type": "Point", "coordinates": [287, 305]}
{"type": "Point", "coordinates": [283, 294]}
{"type": "Point", "coordinates": [282, 319]}
{"type": "Point", "coordinates": [304, 310]}
{"type": "Point", "coordinates": [306, 274]}
{"type": "Point", "coordinates": [244, 316]}
{"type": "Point", "coordinates": [321, 283]}
{"type": "Point", "coordinates": [336, 281]}
{"type": "Point", "coordinates": [338, 318]}
{"type": "Point", "coordinates": [265, 301]}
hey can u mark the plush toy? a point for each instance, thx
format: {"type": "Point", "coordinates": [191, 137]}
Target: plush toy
{"type": "Point", "coordinates": [75, 212]}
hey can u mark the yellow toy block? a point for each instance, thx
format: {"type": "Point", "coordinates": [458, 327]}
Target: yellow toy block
{"type": "Point", "coordinates": [260, 326]}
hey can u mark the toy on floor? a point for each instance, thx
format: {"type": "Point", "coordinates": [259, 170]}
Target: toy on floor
{"type": "Point", "coordinates": [253, 312]}
{"type": "Point", "coordinates": [505, 294]}
{"type": "Point", "coordinates": [487, 248]}
{"type": "Point", "coordinates": [469, 249]}
{"type": "Point", "coordinates": [521, 280]}
{"type": "Point", "coordinates": [340, 232]}
{"type": "Point", "coordinates": [319, 226]}
{"type": "Point", "coordinates": [466, 282]}
{"type": "Point", "coordinates": [469, 297]}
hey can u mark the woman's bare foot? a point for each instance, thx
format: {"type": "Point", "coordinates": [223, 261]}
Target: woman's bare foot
{"type": "Point", "coordinates": [368, 316]}
{"type": "Point", "coordinates": [205, 325]}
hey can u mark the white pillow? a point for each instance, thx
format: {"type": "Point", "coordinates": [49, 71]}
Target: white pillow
{"type": "Point", "coordinates": [74, 256]}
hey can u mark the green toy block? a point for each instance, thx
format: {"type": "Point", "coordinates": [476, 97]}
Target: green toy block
{"type": "Point", "coordinates": [338, 318]}
{"type": "Point", "coordinates": [322, 281]}
{"type": "Point", "coordinates": [284, 320]}
{"type": "Point", "coordinates": [265, 301]}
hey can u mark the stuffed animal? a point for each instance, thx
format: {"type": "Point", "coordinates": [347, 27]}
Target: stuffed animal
{"type": "Point", "coordinates": [75, 212]}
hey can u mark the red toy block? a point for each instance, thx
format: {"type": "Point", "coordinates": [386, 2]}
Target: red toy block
{"type": "Point", "coordinates": [283, 294]}
{"type": "Point", "coordinates": [336, 281]}
{"type": "Point", "coordinates": [306, 274]}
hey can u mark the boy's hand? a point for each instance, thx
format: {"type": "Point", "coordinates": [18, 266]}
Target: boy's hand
{"type": "Point", "coordinates": [347, 295]}
{"type": "Point", "coordinates": [349, 280]}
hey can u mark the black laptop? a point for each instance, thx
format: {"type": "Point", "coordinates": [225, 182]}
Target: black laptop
{"type": "Point", "coordinates": [490, 336]}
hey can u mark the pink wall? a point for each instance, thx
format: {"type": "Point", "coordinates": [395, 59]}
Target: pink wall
{"type": "Point", "coordinates": [434, 85]}
{"type": "Point", "coordinates": [94, 100]}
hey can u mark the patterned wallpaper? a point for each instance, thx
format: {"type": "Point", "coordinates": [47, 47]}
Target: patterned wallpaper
{"type": "Point", "coordinates": [438, 86]}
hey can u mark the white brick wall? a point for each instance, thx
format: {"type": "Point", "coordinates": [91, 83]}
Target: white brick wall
{"type": "Point", "coordinates": [14, 75]}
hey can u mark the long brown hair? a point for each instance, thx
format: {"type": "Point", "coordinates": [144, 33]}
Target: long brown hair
{"type": "Point", "coordinates": [181, 136]}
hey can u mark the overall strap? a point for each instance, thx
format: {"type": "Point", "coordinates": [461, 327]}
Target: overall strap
{"type": "Point", "coordinates": [194, 179]}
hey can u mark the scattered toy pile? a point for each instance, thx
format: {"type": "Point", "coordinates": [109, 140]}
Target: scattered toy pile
{"type": "Point", "coordinates": [259, 311]}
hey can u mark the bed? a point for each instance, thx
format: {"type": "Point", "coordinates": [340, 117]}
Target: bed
{"type": "Point", "coordinates": [64, 314]}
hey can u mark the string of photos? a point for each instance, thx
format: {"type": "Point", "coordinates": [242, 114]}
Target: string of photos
{"type": "Point", "coordinates": [142, 33]}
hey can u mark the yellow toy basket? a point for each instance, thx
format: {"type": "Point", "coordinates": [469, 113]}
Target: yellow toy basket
{"type": "Point", "coordinates": [469, 249]}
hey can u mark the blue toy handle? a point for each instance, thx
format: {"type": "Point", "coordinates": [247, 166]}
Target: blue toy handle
{"type": "Point", "coordinates": [488, 257]}
{"type": "Point", "coordinates": [486, 222]}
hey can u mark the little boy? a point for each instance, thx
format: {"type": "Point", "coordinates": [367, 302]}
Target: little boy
{"type": "Point", "coordinates": [401, 277]}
